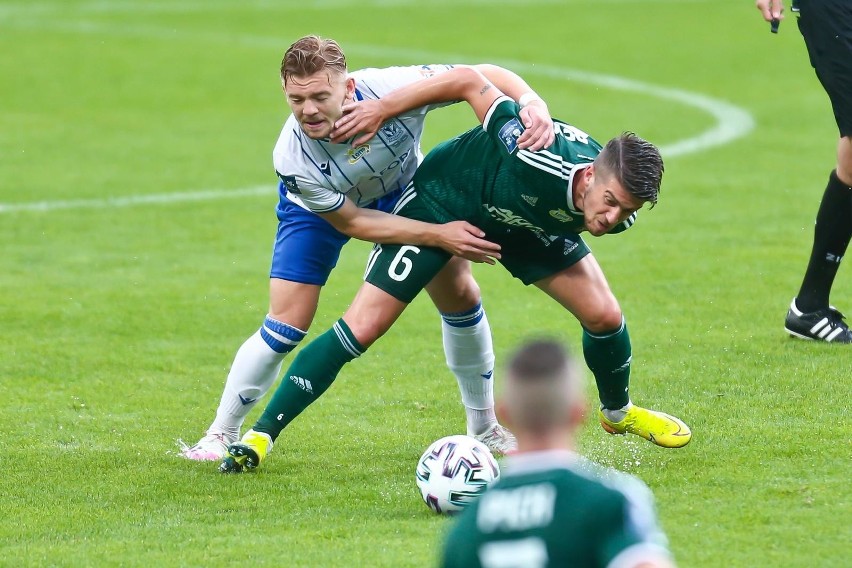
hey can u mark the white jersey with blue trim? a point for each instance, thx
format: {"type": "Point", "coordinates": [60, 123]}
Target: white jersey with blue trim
{"type": "Point", "coordinates": [317, 174]}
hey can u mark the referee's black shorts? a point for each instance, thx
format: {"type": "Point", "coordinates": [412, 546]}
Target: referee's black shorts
{"type": "Point", "coordinates": [827, 28]}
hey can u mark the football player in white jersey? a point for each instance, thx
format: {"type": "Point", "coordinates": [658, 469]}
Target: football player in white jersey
{"type": "Point", "coordinates": [331, 191]}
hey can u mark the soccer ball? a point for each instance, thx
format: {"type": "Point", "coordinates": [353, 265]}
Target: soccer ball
{"type": "Point", "coordinates": [453, 471]}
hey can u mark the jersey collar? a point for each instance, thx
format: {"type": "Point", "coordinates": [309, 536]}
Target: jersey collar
{"type": "Point", "coordinates": [574, 170]}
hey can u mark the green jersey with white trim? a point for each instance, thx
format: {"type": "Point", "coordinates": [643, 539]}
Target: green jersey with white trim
{"type": "Point", "coordinates": [556, 509]}
{"type": "Point", "coordinates": [483, 177]}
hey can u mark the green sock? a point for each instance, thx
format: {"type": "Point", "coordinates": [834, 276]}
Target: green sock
{"type": "Point", "coordinates": [608, 356]}
{"type": "Point", "coordinates": [309, 375]}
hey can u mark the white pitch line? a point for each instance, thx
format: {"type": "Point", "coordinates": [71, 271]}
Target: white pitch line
{"type": "Point", "coordinates": [732, 122]}
{"type": "Point", "coordinates": [145, 6]}
{"type": "Point", "coordinates": [129, 201]}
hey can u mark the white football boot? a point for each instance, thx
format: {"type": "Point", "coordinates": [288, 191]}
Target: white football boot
{"type": "Point", "coordinates": [212, 447]}
{"type": "Point", "coordinates": [499, 440]}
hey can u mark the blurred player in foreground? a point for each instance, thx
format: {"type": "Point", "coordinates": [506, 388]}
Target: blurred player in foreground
{"type": "Point", "coordinates": [551, 507]}
{"type": "Point", "coordinates": [534, 204]}
{"type": "Point", "coordinates": [826, 26]}
{"type": "Point", "coordinates": [333, 190]}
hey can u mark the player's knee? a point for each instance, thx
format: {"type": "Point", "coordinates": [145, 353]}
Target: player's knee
{"type": "Point", "coordinates": [459, 294]}
{"type": "Point", "coordinates": [468, 291]}
{"type": "Point", "coordinates": [607, 318]}
{"type": "Point", "coordinates": [367, 331]}
{"type": "Point", "coordinates": [844, 160]}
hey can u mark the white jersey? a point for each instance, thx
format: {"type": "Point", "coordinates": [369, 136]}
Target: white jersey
{"type": "Point", "coordinates": [317, 174]}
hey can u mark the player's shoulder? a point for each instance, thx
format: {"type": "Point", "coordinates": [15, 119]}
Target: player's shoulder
{"type": "Point", "coordinates": [577, 140]}
{"type": "Point", "coordinates": [376, 82]}
{"type": "Point", "coordinates": [420, 71]}
{"type": "Point", "coordinates": [290, 144]}
{"type": "Point", "coordinates": [610, 484]}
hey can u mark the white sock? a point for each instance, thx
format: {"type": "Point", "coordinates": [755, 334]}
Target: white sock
{"type": "Point", "coordinates": [470, 356]}
{"type": "Point", "coordinates": [255, 368]}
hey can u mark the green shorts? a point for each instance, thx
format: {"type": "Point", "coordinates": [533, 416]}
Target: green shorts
{"type": "Point", "coordinates": [404, 270]}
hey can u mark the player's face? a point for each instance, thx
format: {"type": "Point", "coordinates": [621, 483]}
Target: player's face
{"type": "Point", "coordinates": [606, 203]}
{"type": "Point", "coordinates": [316, 100]}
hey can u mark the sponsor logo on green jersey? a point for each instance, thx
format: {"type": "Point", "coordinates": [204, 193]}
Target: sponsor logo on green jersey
{"type": "Point", "coordinates": [561, 215]}
{"type": "Point", "coordinates": [509, 218]}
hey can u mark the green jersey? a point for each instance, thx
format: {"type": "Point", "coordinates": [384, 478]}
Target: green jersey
{"type": "Point", "coordinates": [556, 509]}
{"type": "Point", "coordinates": [521, 199]}
{"type": "Point", "coordinates": [483, 177]}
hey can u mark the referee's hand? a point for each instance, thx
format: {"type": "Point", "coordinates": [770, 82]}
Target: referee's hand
{"type": "Point", "coordinates": [771, 9]}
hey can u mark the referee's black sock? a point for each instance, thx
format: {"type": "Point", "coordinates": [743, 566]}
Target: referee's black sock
{"type": "Point", "coordinates": [832, 233]}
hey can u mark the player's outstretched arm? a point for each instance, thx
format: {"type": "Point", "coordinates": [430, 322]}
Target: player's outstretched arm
{"type": "Point", "coordinates": [536, 117]}
{"type": "Point", "coordinates": [459, 238]}
{"type": "Point", "coordinates": [364, 118]}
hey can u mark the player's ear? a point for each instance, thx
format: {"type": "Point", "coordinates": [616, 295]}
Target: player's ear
{"type": "Point", "coordinates": [350, 88]}
{"type": "Point", "coordinates": [502, 413]}
{"type": "Point", "coordinates": [578, 413]}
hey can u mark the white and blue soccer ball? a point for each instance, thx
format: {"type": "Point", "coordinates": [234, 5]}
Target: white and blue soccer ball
{"type": "Point", "coordinates": [454, 471]}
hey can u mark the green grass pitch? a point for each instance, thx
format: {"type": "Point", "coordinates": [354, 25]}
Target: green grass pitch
{"type": "Point", "coordinates": [123, 302]}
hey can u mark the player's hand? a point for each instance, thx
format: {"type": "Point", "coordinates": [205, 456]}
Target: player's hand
{"type": "Point", "coordinates": [463, 239]}
{"type": "Point", "coordinates": [771, 9]}
{"type": "Point", "coordinates": [361, 118]}
{"type": "Point", "coordinates": [539, 127]}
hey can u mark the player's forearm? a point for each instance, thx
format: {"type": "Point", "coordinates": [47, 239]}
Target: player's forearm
{"type": "Point", "coordinates": [511, 84]}
{"type": "Point", "coordinates": [383, 228]}
{"type": "Point", "coordinates": [453, 85]}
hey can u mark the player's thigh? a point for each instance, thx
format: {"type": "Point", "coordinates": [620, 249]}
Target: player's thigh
{"type": "Point", "coordinates": [306, 246]}
{"type": "Point", "coordinates": [584, 291]}
{"type": "Point", "coordinates": [404, 270]}
{"type": "Point", "coordinates": [305, 252]}
{"type": "Point", "coordinates": [454, 289]}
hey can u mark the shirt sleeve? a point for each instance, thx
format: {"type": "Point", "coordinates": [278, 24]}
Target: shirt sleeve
{"type": "Point", "coordinates": [503, 124]}
{"type": "Point", "coordinates": [309, 194]}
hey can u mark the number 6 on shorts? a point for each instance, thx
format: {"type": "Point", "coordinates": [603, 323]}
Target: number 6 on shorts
{"type": "Point", "coordinates": [403, 270]}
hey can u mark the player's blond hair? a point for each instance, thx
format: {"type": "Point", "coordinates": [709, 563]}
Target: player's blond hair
{"type": "Point", "coordinates": [311, 54]}
{"type": "Point", "coordinates": [543, 386]}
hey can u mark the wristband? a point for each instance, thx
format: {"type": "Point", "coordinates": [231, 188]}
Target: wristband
{"type": "Point", "coordinates": [527, 98]}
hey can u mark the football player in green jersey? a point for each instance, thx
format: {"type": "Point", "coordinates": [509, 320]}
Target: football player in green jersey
{"type": "Point", "coordinates": [535, 205]}
{"type": "Point", "coordinates": [551, 507]}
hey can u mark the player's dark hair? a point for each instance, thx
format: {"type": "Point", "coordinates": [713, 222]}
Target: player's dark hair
{"type": "Point", "coordinates": [311, 54]}
{"type": "Point", "coordinates": [635, 163]}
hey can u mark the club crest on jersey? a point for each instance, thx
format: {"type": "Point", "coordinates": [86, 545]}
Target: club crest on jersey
{"type": "Point", "coordinates": [561, 215]}
{"type": "Point", "coordinates": [509, 134]}
{"type": "Point", "coordinates": [357, 152]}
{"type": "Point", "coordinates": [392, 133]}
